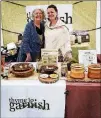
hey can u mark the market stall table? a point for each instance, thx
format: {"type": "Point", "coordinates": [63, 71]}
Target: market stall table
{"type": "Point", "coordinates": [83, 100]}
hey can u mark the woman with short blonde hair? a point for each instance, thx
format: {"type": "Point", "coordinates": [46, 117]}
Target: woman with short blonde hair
{"type": "Point", "coordinates": [33, 38]}
{"type": "Point", "coordinates": [42, 11]}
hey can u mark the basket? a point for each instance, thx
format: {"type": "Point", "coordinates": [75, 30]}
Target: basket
{"type": "Point", "coordinates": [25, 72]}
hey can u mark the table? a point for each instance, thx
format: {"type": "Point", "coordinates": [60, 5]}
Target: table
{"type": "Point", "coordinates": [83, 100]}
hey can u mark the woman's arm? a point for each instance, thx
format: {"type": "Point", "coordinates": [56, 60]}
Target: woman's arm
{"type": "Point", "coordinates": [68, 50]}
{"type": "Point", "coordinates": [26, 39]}
{"type": "Point", "coordinates": [68, 43]}
{"type": "Point", "coordinates": [26, 43]}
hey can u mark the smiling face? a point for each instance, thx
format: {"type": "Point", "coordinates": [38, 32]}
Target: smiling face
{"type": "Point", "coordinates": [52, 14]}
{"type": "Point", "coordinates": [38, 15]}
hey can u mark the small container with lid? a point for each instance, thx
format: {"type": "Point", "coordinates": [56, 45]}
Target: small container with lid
{"type": "Point", "coordinates": [77, 71]}
{"type": "Point", "coordinates": [94, 71]}
{"type": "Point", "coordinates": [64, 69]}
{"type": "Point", "coordinates": [6, 70]}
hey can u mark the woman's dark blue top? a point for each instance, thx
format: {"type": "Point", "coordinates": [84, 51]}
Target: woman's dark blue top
{"type": "Point", "coordinates": [31, 42]}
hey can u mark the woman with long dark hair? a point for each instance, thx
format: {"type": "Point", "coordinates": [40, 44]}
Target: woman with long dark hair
{"type": "Point", "coordinates": [57, 34]}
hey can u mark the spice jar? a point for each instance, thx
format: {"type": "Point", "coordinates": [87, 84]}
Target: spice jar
{"type": "Point", "coordinates": [77, 71]}
{"type": "Point", "coordinates": [64, 69]}
{"type": "Point", "coordinates": [6, 70]}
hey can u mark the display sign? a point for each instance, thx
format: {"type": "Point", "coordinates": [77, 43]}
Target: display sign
{"type": "Point", "coordinates": [32, 99]}
{"type": "Point", "coordinates": [49, 56]}
{"type": "Point", "coordinates": [87, 57]}
{"type": "Point", "coordinates": [64, 12]}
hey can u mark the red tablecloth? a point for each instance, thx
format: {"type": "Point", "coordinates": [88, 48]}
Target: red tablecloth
{"type": "Point", "coordinates": [83, 100]}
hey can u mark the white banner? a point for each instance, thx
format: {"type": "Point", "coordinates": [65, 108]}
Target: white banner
{"type": "Point", "coordinates": [64, 12]}
{"type": "Point", "coordinates": [32, 99]}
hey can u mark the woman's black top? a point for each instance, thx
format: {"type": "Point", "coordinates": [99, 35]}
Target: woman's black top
{"type": "Point", "coordinates": [39, 31]}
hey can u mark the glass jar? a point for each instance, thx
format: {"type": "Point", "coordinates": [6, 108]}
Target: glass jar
{"type": "Point", "coordinates": [77, 71]}
{"type": "Point", "coordinates": [64, 69]}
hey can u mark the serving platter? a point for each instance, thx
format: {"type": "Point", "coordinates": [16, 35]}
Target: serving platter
{"type": "Point", "coordinates": [48, 78]}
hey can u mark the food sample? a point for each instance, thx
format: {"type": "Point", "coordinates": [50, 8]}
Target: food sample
{"type": "Point", "coordinates": [48, 69]}
{"type": "Point", "coordinates": [22, 69]}
{"type": "Point", "coordinates": [44, 75]}
{"type": "Point", "coordinates": [54, 76]}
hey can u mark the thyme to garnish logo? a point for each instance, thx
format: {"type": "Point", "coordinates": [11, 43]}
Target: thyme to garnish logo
{"type": "Point", "coordinates": [66, 18]}
{"type": "Point", "coordinates": [18, 104]}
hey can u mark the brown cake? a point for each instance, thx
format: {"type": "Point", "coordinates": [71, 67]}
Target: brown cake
{"type": "Point", "coordinates": [94, 71]}
{"type": "Point", "coordinates": [22, 69]}
{"type": "Point", "coordinates": [77, 71]}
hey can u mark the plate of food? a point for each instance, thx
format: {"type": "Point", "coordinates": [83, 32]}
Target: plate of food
{"type": "Point", "coordinates": [44, 76]}
{"type": "Point", "coordinates": [48, 79]}
{"type": "Point", "coordinates": [54, 76]}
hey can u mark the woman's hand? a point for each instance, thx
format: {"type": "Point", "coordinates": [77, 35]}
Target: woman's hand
{"type": "Point", "coordinates": [28, 58]}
